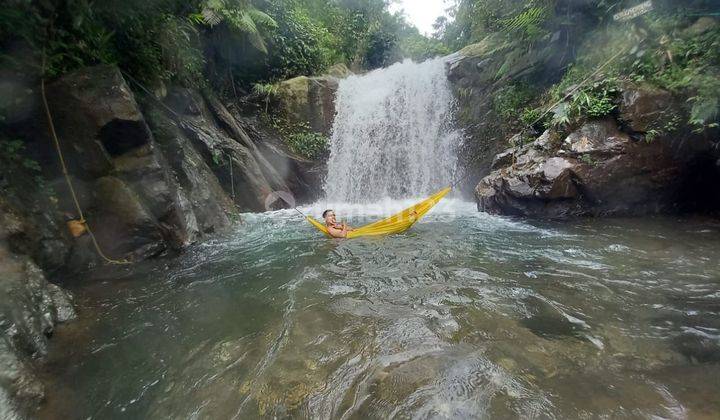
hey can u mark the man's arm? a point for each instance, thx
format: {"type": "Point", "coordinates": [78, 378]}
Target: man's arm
{"type": "Point", "coordinates": [337, 233]}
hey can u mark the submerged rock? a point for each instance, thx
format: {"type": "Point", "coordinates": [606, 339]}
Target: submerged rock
{"type": "Point", "coordinates": [698, 347]}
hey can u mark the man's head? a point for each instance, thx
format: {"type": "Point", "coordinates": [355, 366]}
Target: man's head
{"type": "Point", "coordinates": [329, 216]}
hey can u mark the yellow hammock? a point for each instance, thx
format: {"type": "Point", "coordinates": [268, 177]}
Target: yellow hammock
{"type": "Point", "coordinates": [393, 224]}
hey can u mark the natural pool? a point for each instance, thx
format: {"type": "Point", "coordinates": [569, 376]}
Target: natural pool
{"type": "Point", "coordinates": [467, 315]}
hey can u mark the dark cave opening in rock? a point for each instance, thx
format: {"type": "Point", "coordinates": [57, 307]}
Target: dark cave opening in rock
{"type": "Point", "coordinates": [121, 136]}
{"type": "Point", "coordinates": [700, 191]}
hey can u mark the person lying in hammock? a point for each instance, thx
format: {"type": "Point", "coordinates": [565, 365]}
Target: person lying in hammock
{"type": "Point", "coordinates": [336, 230]}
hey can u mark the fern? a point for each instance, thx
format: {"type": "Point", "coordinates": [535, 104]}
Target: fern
{"type": "Point", "coordinates": [704, 112]}
{"type": "Point", "coordinates": [529, 22]}
{"type": "Point", "coordinates": [240, 16]}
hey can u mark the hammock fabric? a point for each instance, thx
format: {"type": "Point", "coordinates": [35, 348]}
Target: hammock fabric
{"type": "Point", "coordinates": [393, 224]}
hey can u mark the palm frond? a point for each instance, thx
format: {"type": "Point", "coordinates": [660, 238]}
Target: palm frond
{"type": "Point", "coordinates": [261, 18]}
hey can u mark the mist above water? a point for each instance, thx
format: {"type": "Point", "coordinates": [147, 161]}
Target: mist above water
{"type": "Point", "coordinates": [393, 135]}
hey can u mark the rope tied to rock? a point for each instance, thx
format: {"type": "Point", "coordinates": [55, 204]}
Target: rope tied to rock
{"type": "Point", "coordinates": [66, 174]}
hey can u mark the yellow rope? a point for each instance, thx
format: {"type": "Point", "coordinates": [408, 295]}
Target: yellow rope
{"type": "Point", "coordinates": [53, 134]}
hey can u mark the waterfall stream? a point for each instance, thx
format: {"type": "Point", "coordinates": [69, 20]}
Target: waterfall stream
{"type": "Point", "coordinates": [393, 135]}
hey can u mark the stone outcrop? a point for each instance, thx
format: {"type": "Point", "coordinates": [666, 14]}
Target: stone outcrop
{"type": "Point", "coordinates": [156, 177]}
{"type": "Point", "coordinates": [599, 169]}
{"type": "Point", "coordinates": [150, 177]}
{"type": "Point", "coordinates": [645, 108]}
{"type": "Point", "coordinates": [127, 192]}
{"type": "Point", "coordinates": [478, 72]}
{"type": "Point", "coordinates": [309, 100]}
{"type": "Point", "coordinates": [199, 187]}
{"type": "Point", "coordinates": [245, 175]}
{"type": "Point", "coordinates": [30, 308]}
{"type": "Point", "coordinates": [303, 177]}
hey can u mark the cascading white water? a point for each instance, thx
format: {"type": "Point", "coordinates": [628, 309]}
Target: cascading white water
{"type": "Point", "coordinates": [393, 135]}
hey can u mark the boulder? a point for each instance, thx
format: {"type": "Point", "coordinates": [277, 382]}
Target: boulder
{"type": "Point", "coordinates": [30, 309]}
{"type": "Point", "coordinates": [503, 159]}
{"type": "Point", "coordinates": [544, 142]}
{"type": "Point", "coordinates": [597, 137]}
{"type": "Point", "coordinates": [96, 118]}
{"type": "Point", "coordinates": [702, 25]}
{"type": "Point", "coordinates": [31, 219]}
{"type": "Point", "coordinates": [210, 205]}
{"type": "Point", "coordinates": [231, 156]}
{"type": "Point", "coordinates": [121, 223]}
{"type": "Point", "coordinates": [644, 108]}
{"type": "Point", "coordinates": [339, 71]}
{"type": "Point", "coordinates": [125, 185]}
{"type": "Point", "coordinates": [598, 170]}
{"type": "Point", "coordinates": [309, 100]}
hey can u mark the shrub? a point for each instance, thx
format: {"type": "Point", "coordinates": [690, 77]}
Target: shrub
{"type": "Point", "coordinates": [510, 100]}
{"type": "Point", "coordinates": [14, 157]}
{"type": "Point", "coordinates": [308, 144]}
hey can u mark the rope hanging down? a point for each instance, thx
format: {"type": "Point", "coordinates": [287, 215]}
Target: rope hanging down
{"type": "Point", "coordinates": [68, 181]}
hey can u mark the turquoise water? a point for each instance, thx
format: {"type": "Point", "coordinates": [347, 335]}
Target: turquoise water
{"type": "Point", "coordinates": [465, 316]}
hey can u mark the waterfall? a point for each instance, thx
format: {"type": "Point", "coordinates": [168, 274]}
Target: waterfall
{"type": "Point", "coordinates": [393, 135]}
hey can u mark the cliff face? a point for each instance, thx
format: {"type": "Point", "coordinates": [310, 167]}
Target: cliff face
{"type": "Point", "coordinates": [626, 147]}
{"type": "Point", "coordinates": [479, 72]}
{"type": "Point", "coordinates": [152, 175]}
{"type": "Point", "coordinates": [30, 308]}
{"type": "Point", "coordinates": [607, 167]}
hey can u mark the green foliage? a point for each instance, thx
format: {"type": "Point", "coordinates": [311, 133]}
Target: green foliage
{"type": "Point", "coordinates": [588, 159]}
{"type": "Point", "coordinates": [308, 144]}
{"type": "Point", "coordinates": [560, 116]}
{"type": "Point", "coordinates": [704, 111]}
{"type": "Point", "coordinates": [663, 52]}
{"type": "Point", "coordinates": [231, 43]}
{"type": "Point", "coordinates": [299, 45]}
{"type": "Point", "coordinates": [529, 116]}
{"type": "Point", "coordinates": [267, 90]}
{"type": "Point", "coordinates": [14, 157]}
{"type": "Point", "coordinates": [474, 20]}
{"type": "Point", "coordinates": [419, 48]}
{"type": "Point", "coordinates": [529, 22]}
{"type": "Point", "coordinates": [242, 17]}
{"type": "Point", "coordinates": [510, 100]}
{"type": "Point", "coordinates": [665, 124]}
{"type": "Point", "coordinates": [299, 136]}
{"type": "Point", "coordinates": [180, 47]}
{"type": "Point", "coordinates": [598, 100]}
{"type": "Point", "coordinates": [592, 100]}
